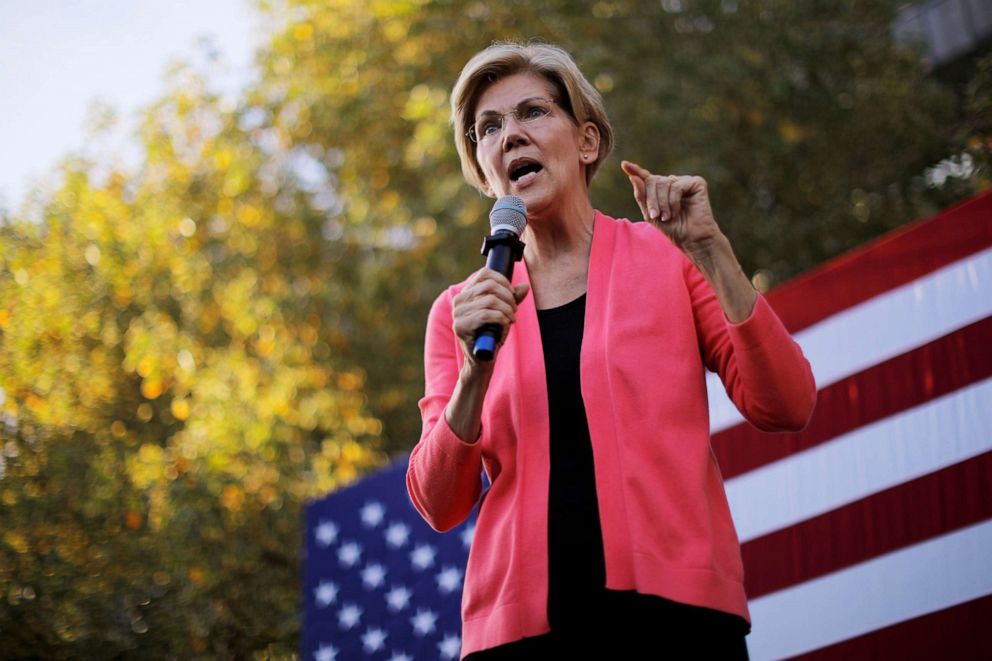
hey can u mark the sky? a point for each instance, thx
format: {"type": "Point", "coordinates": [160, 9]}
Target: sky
{"type": "Point", "coordinates": [59, 56]}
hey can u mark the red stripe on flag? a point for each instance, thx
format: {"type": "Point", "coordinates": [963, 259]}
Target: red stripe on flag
{"type": "Point", "coordinates": [900, 383]}
{"type": "Point", "coordinates": [895, 259]}
{"type": "Point", "coordinates": [958, 632]}
{"type": "Point", "coordinates": [906, 514]}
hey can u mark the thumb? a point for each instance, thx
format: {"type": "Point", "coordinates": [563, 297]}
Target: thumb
{"type": "Point", "coordinates": [520, 291]}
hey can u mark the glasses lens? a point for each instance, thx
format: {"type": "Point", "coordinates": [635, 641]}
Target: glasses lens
{"type": "Point", "coordinates": [532, 110]}
{"type": "Point", "coordinates": [491, 124]}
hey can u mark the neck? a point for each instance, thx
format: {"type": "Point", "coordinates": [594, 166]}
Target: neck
{"type": "Point", "coordinates": [563, 232]}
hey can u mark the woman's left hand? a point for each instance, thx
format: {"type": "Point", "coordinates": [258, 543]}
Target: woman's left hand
{"type": "Point", "coordinates": [677, 205]}
{"type": "Point", "coordinates": [680, 207]}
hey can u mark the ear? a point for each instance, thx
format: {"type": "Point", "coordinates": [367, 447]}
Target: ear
{"type": "Point", "coordinates": [589, 139]}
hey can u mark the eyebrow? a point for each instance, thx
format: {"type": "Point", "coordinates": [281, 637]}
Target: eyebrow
{"type": "Point", "coordinates": [493, 112]}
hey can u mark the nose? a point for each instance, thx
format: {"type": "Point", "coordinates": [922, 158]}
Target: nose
{"type": "Point", "coordinates": [513, 132]}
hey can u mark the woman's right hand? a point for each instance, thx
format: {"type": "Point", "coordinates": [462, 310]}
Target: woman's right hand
{"type": "Point", "coordinates": [487, 298]}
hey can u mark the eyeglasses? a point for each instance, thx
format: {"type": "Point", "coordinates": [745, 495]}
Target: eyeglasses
{"type": "Point", "coordinates": [490, 124]}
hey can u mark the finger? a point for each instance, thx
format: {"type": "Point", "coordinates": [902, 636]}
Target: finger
{"type": "Point", "coordinates": [652, 194]}
{"type": "Point", "coordinates": [486, 273]}
{"type": "Point", "coordinates": [634, 170]}
{"type": "Point", "coordinates": [520, 291]}
{"type": "Point", "coordinates": [675, 193]}
{"type": "Point", "coordinates": [493, 283]}
{"type": "Point", "coordinates": [664, 199]}
{"type": "Point", "coordinates": [638, 185]}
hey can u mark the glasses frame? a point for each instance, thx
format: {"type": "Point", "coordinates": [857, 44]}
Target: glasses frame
{"type": "Point", "coordinates": [475, 138]}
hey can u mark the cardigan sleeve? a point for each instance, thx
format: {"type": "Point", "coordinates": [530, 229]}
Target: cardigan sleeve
{"type": "Point", "coordinates": [444, 476]}
{"type": "Point", "coordinates": [761, 366]}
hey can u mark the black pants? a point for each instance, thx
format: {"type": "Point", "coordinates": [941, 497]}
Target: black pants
{"type": "Point", "coordinates": [627, 625]}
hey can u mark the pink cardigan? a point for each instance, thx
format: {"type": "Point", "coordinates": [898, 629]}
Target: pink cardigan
{"type": "Point", "coordinates": [652, 324]}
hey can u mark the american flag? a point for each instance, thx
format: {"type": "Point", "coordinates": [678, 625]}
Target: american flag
{"type": "Point", "coordinates": [379, 583]}
{"type": "Point", "coordinates": [867, 535]}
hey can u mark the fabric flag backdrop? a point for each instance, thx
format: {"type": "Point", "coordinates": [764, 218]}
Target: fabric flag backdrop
{"type": "Point", "coordinates": [867, 535]}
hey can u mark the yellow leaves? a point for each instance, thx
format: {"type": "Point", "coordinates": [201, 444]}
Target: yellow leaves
{"type": "Point", "coordinates": [197, 576]}
{"type": "Point", "coordinates": [36, 405]}
{"type": "Point", "coordinates": [145, 412]}
{"type": "Point", "coordinates": [427, 107]}
{"type": "Point", "coordinates": [395, 30]}
{"type": "Point", "coordinates": [180, 409]}
{"type": "Point", "coordinates": [223, 158]}
{"type": "Point", "coordinates": [266, 342]}
{"type": "Point", "coordinates": [146, 366]}
{"type": "Point", "coordinates": [232, 497]}
{"type": "Point", "coordinates": [303, 32]}
{"type": "Point", "coordinates": [16, 540]}
{"type": "Point", "coordinates": [350, 380]}
{"type": "Point", "coordinates": [791, 132]}
{"type": "Point", "coordinates": [248, 215]}
{"type": "Point", "coordinates": [424, 226]}
{"type": "Point", "coordinates": [389, 201]}
{"type": "Point", "coordinates": [4, 317]}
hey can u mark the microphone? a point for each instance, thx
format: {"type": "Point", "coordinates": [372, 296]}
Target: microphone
{"type": "Point", "coordinates": [502, 248]}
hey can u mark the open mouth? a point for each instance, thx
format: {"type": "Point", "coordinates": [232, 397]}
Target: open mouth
{"type": "Point", "coordinates": [524, 168]}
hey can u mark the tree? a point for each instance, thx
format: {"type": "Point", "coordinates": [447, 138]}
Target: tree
{"type": "Point", "coordinates": [172, 396]}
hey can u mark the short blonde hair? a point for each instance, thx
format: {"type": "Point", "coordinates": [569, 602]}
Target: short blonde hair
{"type": "Point", "coordinates": [575, 94]}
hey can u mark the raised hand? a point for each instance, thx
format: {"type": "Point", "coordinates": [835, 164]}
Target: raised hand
{"type": "Point", "coordinates": [680, 207]}
{"type": "Point", "coordinates": [677, 205]}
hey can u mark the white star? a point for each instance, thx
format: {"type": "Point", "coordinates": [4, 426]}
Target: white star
{"type": "Point", "coordinates": [400, 656]}
{"type": "Point", "coordinates": [326, 593]}
{"type": "Point", "coordinates": [448, 580]}
{"type": "Point", "coordinates": [423, 622]}
{"type": "Point", "coordinates": [398, 598]}
{"type": "Point", "coordinates": [397, 534]}
{"type": "Point", "coordinates": [450, 646]}
{"type": "Point", "coordinates": [326, 653]}
{"type": "Point", "coordinates": [372, 514]}
{"type": "Point", "coordinates": [349, 553]}
{"type": "Point", "coordinates": [326, 533]}
{"type": "Point", "coordinates": [373, 639]}
{"type": "Point", "coordinates": [349, 616]}
{"type": "Point", "coordinates": [468, 535]}
{"type": "Point", "coordinates": [422, 557]}
{"type": "Point", "coordinates": [373, 576]}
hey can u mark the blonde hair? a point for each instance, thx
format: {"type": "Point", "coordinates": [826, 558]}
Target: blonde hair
{"type": "Point", "coordinates": [575, 94]}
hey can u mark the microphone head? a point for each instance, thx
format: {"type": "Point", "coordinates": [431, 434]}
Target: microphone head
{"type": "Point", "coordinates": [509, 214]}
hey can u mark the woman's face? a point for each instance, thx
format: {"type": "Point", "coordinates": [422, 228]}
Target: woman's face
{"type": "Point", "coordinates": [539, 161]}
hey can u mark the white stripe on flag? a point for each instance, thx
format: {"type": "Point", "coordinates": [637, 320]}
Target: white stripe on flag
{"type": "Point", "coordinates": [913, 443]}
{"type": "Point", "coordinates": [885, 326]}
{"type": "Point", "coordinates": [913, 581]}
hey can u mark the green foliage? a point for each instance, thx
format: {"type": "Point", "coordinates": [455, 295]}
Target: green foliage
{"type": "Point", "coordinates": [174, 393]}
{"type": "Point", "coordinates": [191, 350]}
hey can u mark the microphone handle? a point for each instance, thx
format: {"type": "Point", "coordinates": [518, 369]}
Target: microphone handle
{"type": "Point", "coordinates": [502, 250]}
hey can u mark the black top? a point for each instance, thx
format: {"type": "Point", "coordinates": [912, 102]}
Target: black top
{"type": "Point", "coordinates": [576, 566]}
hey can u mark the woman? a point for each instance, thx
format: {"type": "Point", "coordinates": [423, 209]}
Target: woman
{"type": "Point", "coordinates": [606, 528]}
